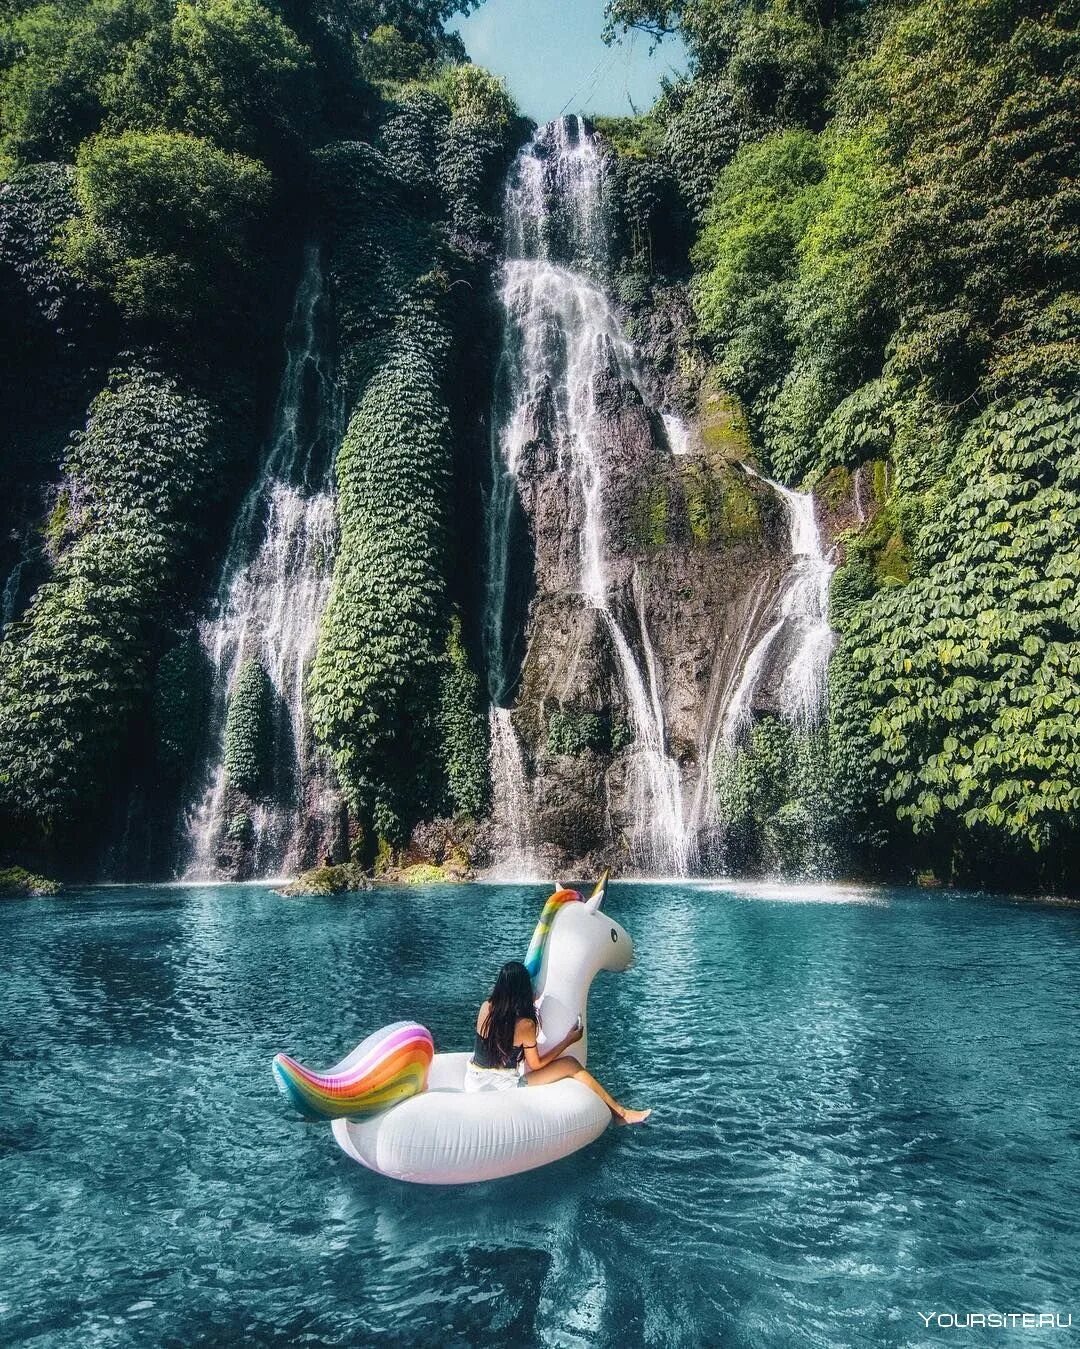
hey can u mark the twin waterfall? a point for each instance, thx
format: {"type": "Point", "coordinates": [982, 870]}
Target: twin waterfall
{"type": "Point", "coordinates": [565, 364]}
{"type": "Point", "coordinates": [270, 599]}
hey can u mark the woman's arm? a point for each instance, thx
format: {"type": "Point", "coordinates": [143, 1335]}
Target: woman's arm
{"type": "Point", "coordinates": [525, 1035]}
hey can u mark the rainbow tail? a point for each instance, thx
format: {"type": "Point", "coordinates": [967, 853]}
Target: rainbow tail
{"type": "Point", "coordinates": [384, 1069]}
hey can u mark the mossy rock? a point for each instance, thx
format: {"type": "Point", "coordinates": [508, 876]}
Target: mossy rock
{"type": "Point", "coordinates": [427, 873]}
{"type": "Point", "coordinates": [650, 516]}
{"type": "Point", "coordinates": [384, 856]}
{"type": "Point", "coordinates": [892, 566]}
{"type": "Point", "coordinates": [879, 480]}
{"type": "Point", "coordinates": [721, 506]}
{"type": "Point", "coordinates": [18, 883]}
{"type": "Point", "coordinates": [881, 544]}
{"type": "Point", "coordinates": [698, 507]}
{"type": "Point", "coordinates": [836, 488]}
{"type": "Point", "coordinates": [739, 515]}
{"type": "Point", "coordinates": [340, 879]}
{"type": "Point", "coordinates": [723, 428]}
{"type": "Point", "coordinates": [56, 525]}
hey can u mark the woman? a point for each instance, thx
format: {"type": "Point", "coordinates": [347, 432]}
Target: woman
{"type": "Point", "coordinates": [505, 1054]}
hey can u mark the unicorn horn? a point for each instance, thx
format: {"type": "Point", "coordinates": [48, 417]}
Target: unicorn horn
{"type": "Point", "coordinates": [597, 897]}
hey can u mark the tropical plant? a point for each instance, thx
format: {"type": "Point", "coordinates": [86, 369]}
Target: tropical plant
{"type": "Point", "coordinates": [249, 743]}
{"type": "Point", "coordinates": [164, 223]}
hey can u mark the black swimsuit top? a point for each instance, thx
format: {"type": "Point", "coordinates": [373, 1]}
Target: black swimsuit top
{"type": "Point", "coordinates": [481, 1055]}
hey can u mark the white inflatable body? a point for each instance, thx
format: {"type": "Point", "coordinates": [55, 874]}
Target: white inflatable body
{"type": "Point", "coordinates": [448, 1136]}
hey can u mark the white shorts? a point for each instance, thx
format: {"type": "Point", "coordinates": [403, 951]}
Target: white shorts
{"type": "Point", "coordinates": [492, 1079]}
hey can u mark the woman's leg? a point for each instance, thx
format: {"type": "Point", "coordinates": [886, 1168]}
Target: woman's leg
{"type": "Point", "coordinates": [568, 1066]}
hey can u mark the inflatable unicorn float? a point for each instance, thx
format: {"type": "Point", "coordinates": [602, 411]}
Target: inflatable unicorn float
{"type": "Point", "coordinates": [401, 1109]}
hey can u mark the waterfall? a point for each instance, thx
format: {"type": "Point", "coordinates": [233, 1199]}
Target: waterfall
{"type": "Point", "coordinates": [677, 432]}
{"type": "Point", "coordinates": [511, 799]}
{"type": "Point", "coordinates": [799, 639]}
{"type": "Point", "coordinates": [273, 587]}
{"type": "Point", "coordinates": [561, 336]}
{"type": "Point", "coordinates": [10, 595]}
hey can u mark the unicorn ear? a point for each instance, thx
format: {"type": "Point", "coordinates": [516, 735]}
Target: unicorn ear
{"type": "Point", "coordinates": [559, 886]}
{"type": "Point", "coordinates": [597, 897]}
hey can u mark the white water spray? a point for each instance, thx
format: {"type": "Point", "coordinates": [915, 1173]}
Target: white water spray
{"type": "Point", "coordinates": [511, 798]}
{"type": "Point", "coordinates": [799, 631]}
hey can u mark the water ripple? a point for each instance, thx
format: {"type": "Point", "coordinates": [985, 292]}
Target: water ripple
{"type": "Point", "coordinates": [865, 1106]}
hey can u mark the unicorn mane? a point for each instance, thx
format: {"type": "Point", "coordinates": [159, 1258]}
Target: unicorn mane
{"type": "Point", "coordinates": [542, 931]}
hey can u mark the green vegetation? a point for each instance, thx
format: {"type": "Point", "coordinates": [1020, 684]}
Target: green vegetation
{"type": "Point", "coordinates": [575, 731]}
{"type": "Point", "coordinates": [872, 207]}
{"type": "Point", "coordinates": [73, 669]}
{"type": "Point", "coordinates": [649, 515]}
{"type": "Point", "coordinates": [425, 873]}
{"type": "Point", "coordinates": [180, 700]}
{"type": "Point", "coordinates": [463, 728]}
{"type": "Point", "coordinates": [774, 794]}
{"type": "Point", "coordinates": [18, 883]}
{"type": "Point", "coordinates": [249, 732]}
{"type": "Point", "coordinates": [393, 691]}
{"type": "Point", "coordinates": [375, 684]}
{"type": "Point", "coordinates": [965, 682]}
{"type": "Point", "coordinates": [340, 879]}
{"type": "Point", "coordinates": [720, 504]}
{"type": "Point", "coordinates": [164, 222]}
{"type": "Point", "coordinates": [163, 162]}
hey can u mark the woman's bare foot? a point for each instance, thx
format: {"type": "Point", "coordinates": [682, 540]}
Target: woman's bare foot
{"type": "Point", "coordinates": [632, 1116]}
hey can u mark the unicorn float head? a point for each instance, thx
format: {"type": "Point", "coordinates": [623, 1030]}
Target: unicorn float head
{"type": "Point", "coordinates": [401, 1109]}
{"type": "Point", "coordinates": [571, 944]}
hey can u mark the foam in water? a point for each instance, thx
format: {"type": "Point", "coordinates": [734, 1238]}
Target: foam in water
{"type": "Point", "coordinates": [561, 334]}
{"type": "Point", "coordinates": [273, 588]}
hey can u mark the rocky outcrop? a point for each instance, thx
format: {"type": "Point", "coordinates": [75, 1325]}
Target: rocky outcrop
{"type": "Point", "coordinates": [695, 552]}
{"type": "Point", "coordinates": [18, 883]}
{"type": "Point", "coordinates": [339, 879]}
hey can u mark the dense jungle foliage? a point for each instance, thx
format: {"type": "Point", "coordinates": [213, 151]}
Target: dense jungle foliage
{"type": "Point", "coordinates": [162, 163]}
{"type": "Point", "coordinates": [884, 224]}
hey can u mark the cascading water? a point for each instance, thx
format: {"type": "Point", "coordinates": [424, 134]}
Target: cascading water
{"type": "Point", "coordinates": [799, 637]}
{"type": "Point", "coordinates": [512, 804]}
{"type": "Point", "coordinates": [273, 588]}
{"type": "Point", "coordinates": [560, 337]}
{"type": "Point", "coordinates": [13, 585]}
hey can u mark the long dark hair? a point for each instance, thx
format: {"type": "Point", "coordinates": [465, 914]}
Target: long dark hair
{"type": "Point", "coordinates": [511, 1000]}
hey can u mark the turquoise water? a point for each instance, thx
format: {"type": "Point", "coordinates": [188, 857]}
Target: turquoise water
{"type": "Point", "coordinates": [867, 1105]}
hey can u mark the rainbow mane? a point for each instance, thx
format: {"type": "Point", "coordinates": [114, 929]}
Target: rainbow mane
{"type": "Point", "coordinates": [386, 1068]}
{"type": "Point", "coordinates": [543, 928]}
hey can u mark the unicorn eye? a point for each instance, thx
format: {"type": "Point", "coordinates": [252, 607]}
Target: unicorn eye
{"type": "Point", "coordinates": [614, 935]}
